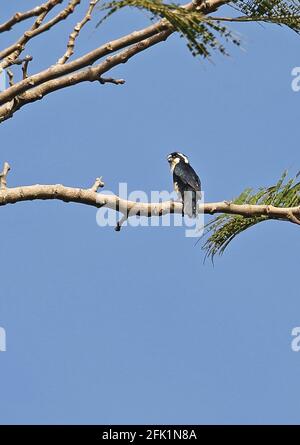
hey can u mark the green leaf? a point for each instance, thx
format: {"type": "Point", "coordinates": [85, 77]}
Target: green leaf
{"type": "Point", "coordinates": [199, 31]}
{"type": "Point", "coordinates": [224, 228]}
{"type": "Point", "coordinates": [205, 33]}
{"type": "Point", "coordinates": [281, 12]}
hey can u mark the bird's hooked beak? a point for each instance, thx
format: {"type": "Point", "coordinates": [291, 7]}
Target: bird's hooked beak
{"type": "Point", "coordinates": [169, 158]}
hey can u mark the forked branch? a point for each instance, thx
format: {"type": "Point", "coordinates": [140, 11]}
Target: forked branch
{"type": "Point", "coordinates": [67, 73]}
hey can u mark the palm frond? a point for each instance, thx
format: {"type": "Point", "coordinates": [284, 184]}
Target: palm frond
{"type": "Point", "coordinates": [200, 32]}
{"type": "Point", "coordinates": [205, 33]}
{"type": "Point", "coordinates": [281, 12]}
{"type": "Point", "coordinates": [224, 228]}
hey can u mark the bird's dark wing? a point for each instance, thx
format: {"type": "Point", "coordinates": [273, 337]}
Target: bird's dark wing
{"type": "Point", "coordinates": [187, 175]}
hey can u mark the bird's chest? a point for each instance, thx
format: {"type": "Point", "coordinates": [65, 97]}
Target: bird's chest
{"type": "Point", "coordinates": [176, 187]}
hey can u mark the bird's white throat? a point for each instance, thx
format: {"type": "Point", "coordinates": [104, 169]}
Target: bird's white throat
{"type": "Point", "coordinates": [173, 163]}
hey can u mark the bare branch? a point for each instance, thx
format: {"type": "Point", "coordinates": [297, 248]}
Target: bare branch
{"type": "Point", "coordinates": [90, 74]}
{"type": "Point", "coordinates": [25, 66]}
{"type": "Point", "coordinates": [62, 75]}
{"type": "Point", "coordinates": [3, 175]}
{"type": "Point", "coordinates": [10, 76]}
{"type": "Point", "coordinates": [211, 5]}
{"type": "Point", "coordinates": [293, 218]}
{"type": "Point", "coordinates": [130, 208]}
{"type": "Point", "coordinates": [57, 71]}
{"type": "Point", "coordinates": [92, 198]}
{"type": "Point", "coordinates": [97, 184]}
{"type": "Point", "coordinates": [73, 36]}
{"type": "Point", "coordinates": [11, 53]}
{"type": "Point", "coordinates": [21, 16]}
{"type": "Point", "coordinates": [104, 80]}
{"type": "Point", "coordinates": [120, 223]}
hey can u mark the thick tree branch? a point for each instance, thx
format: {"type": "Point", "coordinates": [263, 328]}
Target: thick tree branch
{"type": "Point", "coordinates": [91, 74]}
{"type": "Point", "coordinates": [88, 59]}
{"type": "Point", "coordinates": [90, 197]}
{"type": "Point", "coordinates": [62, 75]}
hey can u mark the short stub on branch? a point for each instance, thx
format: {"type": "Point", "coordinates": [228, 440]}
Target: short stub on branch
{"type": "Point", "coordinates": [3, 175]}
{"type": "Point", "coordinates": [97, 184]}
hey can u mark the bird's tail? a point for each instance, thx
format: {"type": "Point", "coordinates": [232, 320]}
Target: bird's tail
{"type": "Point", "coordinates": [190, 203]}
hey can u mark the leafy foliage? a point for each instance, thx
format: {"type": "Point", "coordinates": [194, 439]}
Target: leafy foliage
{"type": "Point", "coordinates": [205, 33]}
{"type": "Point", "coordinates": [224, 228]}
{"type": "Point", "coordinates": [199, 31]}
{"type": "Point", "coordinates": [281, 12]}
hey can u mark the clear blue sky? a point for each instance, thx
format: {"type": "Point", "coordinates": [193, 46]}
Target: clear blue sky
{"type": "Point", "coordinates": [132, 327]}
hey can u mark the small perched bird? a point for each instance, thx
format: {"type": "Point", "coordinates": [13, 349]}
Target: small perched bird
{"type": "Point", "coordinates": [186, 182]}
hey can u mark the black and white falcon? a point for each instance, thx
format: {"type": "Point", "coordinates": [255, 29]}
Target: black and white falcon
{"type": "Point", "coordinates": [186, 182]}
